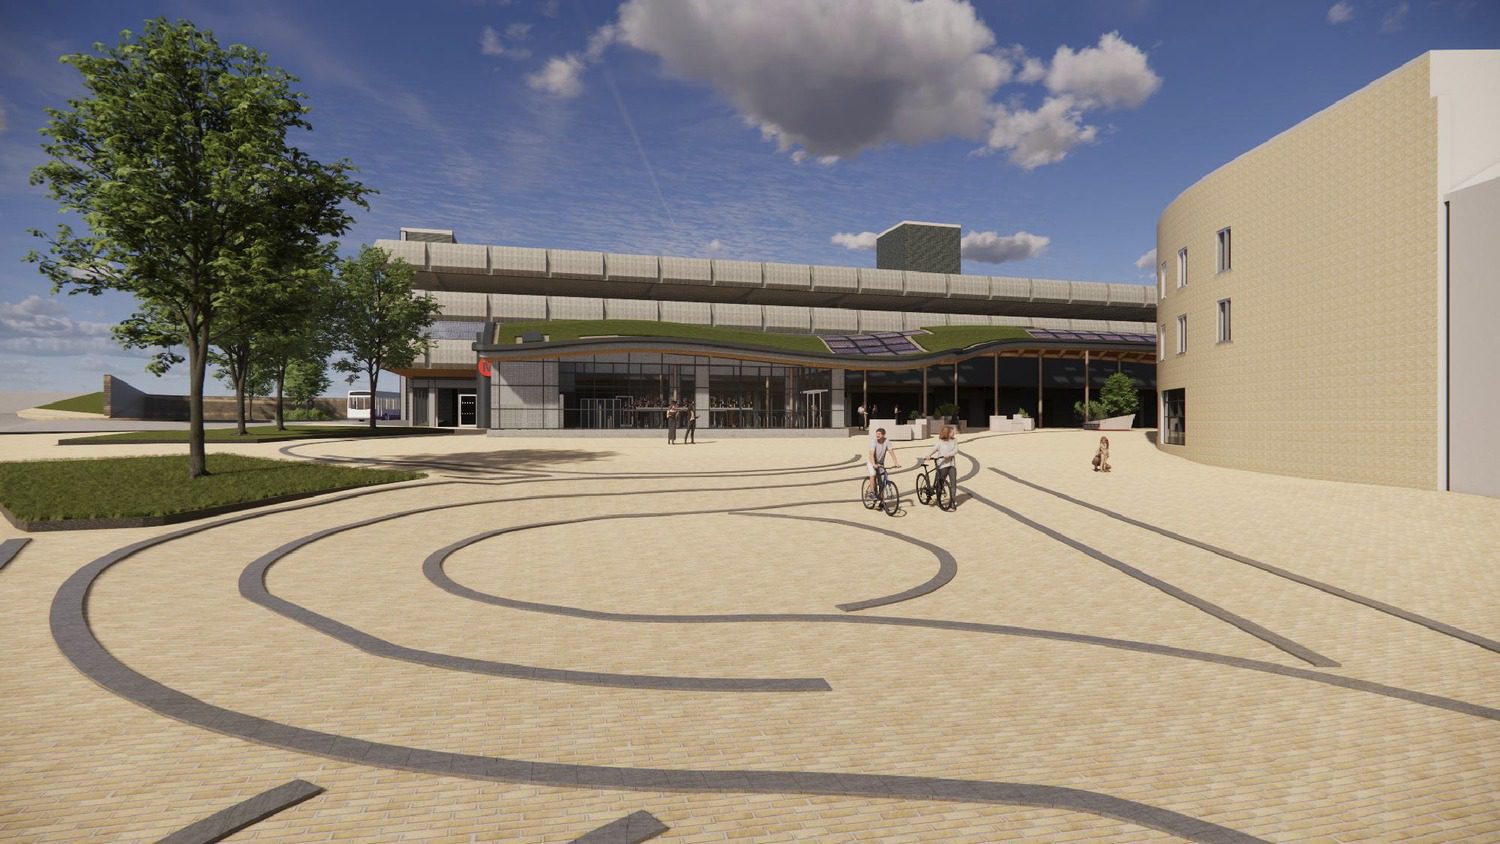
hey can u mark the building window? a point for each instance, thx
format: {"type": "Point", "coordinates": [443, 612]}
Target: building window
{"type": "Point", "coordinates": [1182, 267]}
{"type": "Point", "coordinates": [1161, 341]}
{"type": "Point", "coordinates": [1182, 334]}
{"type": "Point", "coordinates": [1224, 250]}
{"type": "Point", "coordinates": [1223, 320]}
{"type": "Point", "coordinates": [1174, 417]}
{"type": "Point", "coordinates": [1161, 280]}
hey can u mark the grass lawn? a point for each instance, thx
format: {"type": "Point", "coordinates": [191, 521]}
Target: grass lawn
{"type": "Point", "coordinates": [127, 487]}
{"type": "Point", "coordinates": [91, 403]}
{"type": "Point", "coordinates": [944, 337]}
{"type": "Point", "coordinates": [573, 329]}
{"type": "Point", "coordinates": [260, 433]}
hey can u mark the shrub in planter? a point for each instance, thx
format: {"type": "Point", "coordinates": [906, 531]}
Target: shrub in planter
{"type": "Point", "coordinates": [1096, 410]}
{"type": "Point", "coordinates": [300, 414]}
{"type": "Point", "coordinates": [1119, 396]}
{"type": "Point", "coordinates": [913, 415]}
{"type": "Point", "coordinates": [1021, 412]}
{"type": "Point", "coordinates": [947, 410]}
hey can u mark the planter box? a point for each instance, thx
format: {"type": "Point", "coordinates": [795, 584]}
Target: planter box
{"type": "Point", "coordinates": [1117, 423]}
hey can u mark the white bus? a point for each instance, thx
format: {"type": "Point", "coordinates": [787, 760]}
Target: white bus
{"type": "Point", "coordinates": [386, 405]}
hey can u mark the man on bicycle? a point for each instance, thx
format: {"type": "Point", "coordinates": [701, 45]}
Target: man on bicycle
{"type": "Point", "coordinates": [946, 453]}
{"type": "Point", "coordinates": [875, 462]}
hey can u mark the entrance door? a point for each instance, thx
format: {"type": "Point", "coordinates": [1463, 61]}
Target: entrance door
{"type": "Point", "coordinates": [467, 402]}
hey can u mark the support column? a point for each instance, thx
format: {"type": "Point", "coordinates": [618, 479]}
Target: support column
{"type": "Point", "coordinates": [481, 400]}
{"type": "Point", "coordinates": [955, 382]}
{"type": "Point", "coordinates": [836, 413]}
{"type": "Point", "coordinates": [924, 390]}
{"type": "Point", "coordinates": [864, 391]}
{"type": "Point", "coordinates": [1039, 357]}
{"type": "Point", "coordinates": [701, 394]}
{"type": "Point", "coordinates": [1085, 385]}
{"type": "Point", "coordinates": [996, 383]}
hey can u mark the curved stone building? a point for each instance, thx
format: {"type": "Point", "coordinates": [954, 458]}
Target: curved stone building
{"type": "Point", "coordinates": [1328, 300]}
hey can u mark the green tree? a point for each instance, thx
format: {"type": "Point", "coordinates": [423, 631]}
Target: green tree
{"type": "Point", "coordinates": [306, 380]}
{"type": "Point", "coordinates": [298, 331]}
{"type": "Point", "coordinates": [178, 163]}
{"type": "Point", "coordinates": [1119, 395]}
{"type": "Point", "coordinates": [377, 321]}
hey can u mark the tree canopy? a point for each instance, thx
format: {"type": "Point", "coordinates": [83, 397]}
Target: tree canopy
{"type": "Point", "coordinates": [378, 322]}
{"type": "Point", "coordinates": [178, 165]}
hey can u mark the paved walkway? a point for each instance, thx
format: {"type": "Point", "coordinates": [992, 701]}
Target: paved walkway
{"type": "Point", "coordinates": [547, 640]}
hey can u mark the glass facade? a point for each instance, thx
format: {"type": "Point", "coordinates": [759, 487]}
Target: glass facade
{"type": "Point", "coordinates": [635, 390]}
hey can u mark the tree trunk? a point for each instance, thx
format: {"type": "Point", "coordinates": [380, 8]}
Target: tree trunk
{"type": "Point", "coordinates": [280, 417]}
{"type": "Point", "coordinates": [197, 365]}
{"type": "Point", "coordinates": [239, 397]}
{"type": "Point", "coordinates": [374, 373]}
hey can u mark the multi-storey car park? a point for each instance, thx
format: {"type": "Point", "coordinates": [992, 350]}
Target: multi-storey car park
{"type": "Point", "coordinates": [551, 339]}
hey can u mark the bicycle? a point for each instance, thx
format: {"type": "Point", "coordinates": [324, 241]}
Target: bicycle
{"type": "Point", "coordinates": [883, 493]}
{"type": "Point", "coordinates": [928, 487]}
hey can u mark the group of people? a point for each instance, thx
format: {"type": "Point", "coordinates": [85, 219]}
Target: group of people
{"type": "Point", "coordinates": [873, 412]}
{"type": "Point", "coordinates": [686, 416]}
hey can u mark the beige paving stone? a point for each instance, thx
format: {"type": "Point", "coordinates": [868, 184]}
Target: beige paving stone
{"type": "Point", "coordinates": [1283, 758]}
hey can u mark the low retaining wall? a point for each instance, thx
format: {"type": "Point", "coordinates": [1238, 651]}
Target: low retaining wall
{"type": "Point", "coordinates": [122, 401]}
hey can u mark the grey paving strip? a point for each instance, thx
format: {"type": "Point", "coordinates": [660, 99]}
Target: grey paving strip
{"type": "Point", "coordinates": [252, 586]}
{"type": "Point", "coordinates": [432, 567]}
{"type": "Point", "coordinates": [947, 565]}
{"type": "Point", "coordinates": [75, 638]}
{"type": "Point", "coordinates": [222, 824]}
{"type": "Point", "coordinates": [1274, 639]}
{"type": "Point", "coordinates": [1405, 615]}
{"type": "Point", "coordinates": [631, 829]}
{"type": "Point", "coordinates": [10, 548]}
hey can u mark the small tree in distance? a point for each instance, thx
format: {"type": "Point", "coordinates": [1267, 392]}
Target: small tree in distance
{"type": "Point", "coordinates": [376, 320]}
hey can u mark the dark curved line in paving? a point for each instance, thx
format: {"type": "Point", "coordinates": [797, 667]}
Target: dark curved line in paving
{"type": "Point", "coordinates": [75, 638]}
{"type": "Point", "coordinates": [1405, 615]}
{"type": "Point", "coordinates": [631, 829]}
{"type": "Point", "coordinates": [1274, 639]}
{"type": "Point", "coordinates": [10, 548]}
{"type": "Point", "coordinates": [820, 467]}
{"type": "Point", "coordinates": [433, 566]}
{"type": "Point", "coordinates": [224, 823]}
{"type": "Point", "coordinates": [252, 586]}
{"type": "Point", "coordinates": [947, 564]}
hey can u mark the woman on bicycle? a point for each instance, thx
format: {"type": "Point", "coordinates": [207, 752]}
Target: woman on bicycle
{"type": "Point", "coordinates": [875, 460]}
{"type": "Point", "coordinates": [946, 453]}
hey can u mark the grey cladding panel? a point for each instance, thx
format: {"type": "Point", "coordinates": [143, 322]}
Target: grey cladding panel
{"type": "Point", "coordinates": [737, 274]}
{"type": "Point", "coordinates": [789, 276]}
{"type": "Point", "coordinates": [872, 321]}
{"type": "Point", "coordinates": [1088, 291]}
{"type": "Point", "coordinates": [411, 251]}
{"type": "Point", "coordinates": [834, 321]}
{"type": "Point", "coordinates": [738, 316]}
{"type": "Point", "coordinates": [969, 286]}
{"type": "Point", "coordinates": [641, 309]}
{"type": "Point", "coordinates": [518, 260]}
{"type": "Point", "coordinates": [880, 281]}
{"type": "Point", "coordinates": [835, 279]}
{"type": "Point", "coordinates": [686, 271]}
{"type": "Point", "coordinates": [632, 267]}
{"type": "Point", "coordinates": [926, 284]}
{"type": "Point", "coordinates": [786, 318]}
{"type": "Point", "coordinates": [1048, 290]}
{"type": "Point", "coordinates": [1005, 287]}
{"type": "Point", "coordinates": [1129, 294]}
{"type": "Point", "coordinates": [567, 263]}
{"type": "Point", "coordinates": [688, 313]}
{"type": "Point", "coordinates": [458, 258]}
{"type": "Point", "coordinates": [513, 307]}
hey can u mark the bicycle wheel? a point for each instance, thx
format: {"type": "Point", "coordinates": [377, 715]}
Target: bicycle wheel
{"type": "Point", "coordinates": [892, 496]}
{"type": "Point", "coordinates": [947, 492]}
{"type": "Point", "coordinates": [924, 489]}
{"type": "Point", "coordinates": [867, 494]}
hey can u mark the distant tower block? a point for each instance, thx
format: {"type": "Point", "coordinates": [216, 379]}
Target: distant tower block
{"type": "Point", "coordinates": [923, 247]}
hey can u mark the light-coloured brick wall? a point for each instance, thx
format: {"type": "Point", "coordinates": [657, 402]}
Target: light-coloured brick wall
{"type": "Point", "coordinates": [1331, 371]}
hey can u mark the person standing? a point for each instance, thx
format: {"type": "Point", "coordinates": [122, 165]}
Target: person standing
{"type": "Point", "coordinates": [692, 424]}
{"type": "Point", "coordinates": [864, 421]}
{"type": "Point", "coordinates": [672, 423]}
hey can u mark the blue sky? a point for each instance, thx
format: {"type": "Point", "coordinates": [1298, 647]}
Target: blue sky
{"type": "Point", "coordinates": [784, 130]}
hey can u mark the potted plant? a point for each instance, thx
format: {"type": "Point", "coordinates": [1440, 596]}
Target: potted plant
{"type": "Point", "coordinates": [917, 423]}
{"type": "Point", "coordinates": [948, 412]}
{"type": "Point", "coordinates": [1027, 423]}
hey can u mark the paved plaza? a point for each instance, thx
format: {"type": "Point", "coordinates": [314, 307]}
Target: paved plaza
{"type": "Point", "coordinates": [548, 640]}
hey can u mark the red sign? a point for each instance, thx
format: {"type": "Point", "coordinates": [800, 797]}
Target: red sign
{"type": "Point", "coordinates": [484, 368]}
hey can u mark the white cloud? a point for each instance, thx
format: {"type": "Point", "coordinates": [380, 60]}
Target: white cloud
{"type": "Point", "coordinates": [992, 248]}
{"type": "Point", "coordinates": [1395, 19]}
{"type": "Point", "coordinates": [1043, 136]}
{"type": "Point", "coordinates": [549, 8]}
{"type": "Point", "coordinates": [714, 247]}
{"type": "Point", "coordinates": [560, 77]}
{"type": "Point", "coordinates": [518, 31]}
{"type": "Point", "coordinates": [1147, 261]}
{"type": "Point", "coordinates": [491, 43]}
{"type": "Point", "coordinates": [832, 77]}
{"type": "Point", "coordinates": [3, 125]}
{"type": "Point", "coordinates": [862, 241]}
{"type": "Point", "coordinates": [1112, 75]}
{"type": "Point", "coordinates": [1341, 12]}
{"type": "Point", "coordinates": [41, 326]}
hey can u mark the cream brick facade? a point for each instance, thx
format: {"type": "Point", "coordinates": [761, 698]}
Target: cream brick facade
{"type": "Point", "coordinates": [1332, 370]}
